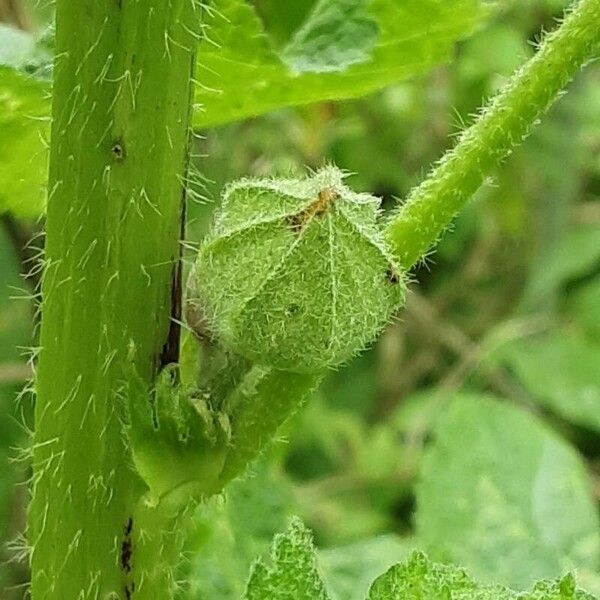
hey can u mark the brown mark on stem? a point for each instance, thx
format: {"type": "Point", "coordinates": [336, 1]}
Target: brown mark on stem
{"type": "Point", "coordinates": [118, 151]}
{"type": "Point", "coordinates": [170, 350]}
{"type": "Point", "coordinates": [126, 558]}
{"type": "Point", "coordinates": [127, 547]}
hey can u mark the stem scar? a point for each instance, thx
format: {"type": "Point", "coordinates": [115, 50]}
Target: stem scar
{"type": "Point", "coordinates": [118, 151]}
{"type": "Point", "coordinates": [127, 547]}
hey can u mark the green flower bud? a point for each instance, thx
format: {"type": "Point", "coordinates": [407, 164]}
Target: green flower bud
{"type": "Point", "coordinates": [295, 273]}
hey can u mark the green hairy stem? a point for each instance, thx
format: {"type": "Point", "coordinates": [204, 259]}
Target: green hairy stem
{"type": "Point", "coordinates": [119, 150]}
{"type": "Point", "coordinates": [506, 121]}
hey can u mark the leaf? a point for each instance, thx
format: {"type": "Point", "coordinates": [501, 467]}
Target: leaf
{"type": "Point", "coordinates": [24, 109]}
{"type": "Point", "coordinates": [563, 589]}
{"type": "Point", "coordinates": [504, 496]}
{"type": "Point", "coordinates": [349, 570]}
{"type": "Point", "coordinates": [293, 574]}
{"type": "Point", "coordinates": [561, 371]}
{"type": "Point", "coordinates": [585, 307]}
{"type": "Point", "coordinates": [344, 49]}
{"type": "Point", "coordinates": [420, 579]}
{"type": "Point", "coordinates": [23, 157]}
{"type": "Point", "coordinates": [336, 35]}
{"type": "Point", "coordinates": [575, 256]}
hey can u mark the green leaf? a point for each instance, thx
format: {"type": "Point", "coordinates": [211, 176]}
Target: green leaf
{"type": "Point", "coordinates": [283, 19]}
{"type": "Point", "coordinates": [23, 158]}
{"type": "Point", "coordinates": [344, 49]}
{"type": "Point", "coordinates": [420, 579]}
{"type": "Point", "coordinates": [575, 256]}
{"type": "Point", "coordinates": [24, 109]}
{"type": "Point", "coordinates": [505, 497]}
{"type": "Point", "coordinates": [563, 589]}
{"type": "Point", "coordinates": [336, 35]}
{"type": "Point", "coordinates": [293, 573]}
{"type": "Point", "coordinates": [561, 371]}
{"type": "Point", "coordinates": [584, 305]}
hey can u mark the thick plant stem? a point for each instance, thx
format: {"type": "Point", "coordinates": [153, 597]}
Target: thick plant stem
{"type": "Point", "coordinates": [119, 150]}
{"type": "Point", "coordinates": [429, 209]}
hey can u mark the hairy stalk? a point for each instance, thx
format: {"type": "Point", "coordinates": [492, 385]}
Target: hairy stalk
{"type": "Point", "coordinates": [119, 150]}
{"type": "Point", "coordinates": [429, 209]}
{"type": "Point", "coordinates": [258, 406]}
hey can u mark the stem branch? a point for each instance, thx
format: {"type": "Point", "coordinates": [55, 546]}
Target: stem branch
{"type": "Point", "coordinates": [501, 126]}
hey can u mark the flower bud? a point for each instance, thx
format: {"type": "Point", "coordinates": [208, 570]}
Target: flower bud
{"type": "Point", "coordinates": [295, 273]}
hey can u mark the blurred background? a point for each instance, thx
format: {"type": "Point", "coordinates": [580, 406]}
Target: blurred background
{"type": "Point", "coordinates": [508, 306]}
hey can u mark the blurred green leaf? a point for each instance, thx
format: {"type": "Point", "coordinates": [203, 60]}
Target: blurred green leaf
{"type": "Point", "coordinates": [322, 440]}
{"type": "Point", "coordinates": [585, 307]}
{"type": "Point", "coordinates": [505, 497]}
{"type": "Point", "coordinates": [282, 19]}
{"type": "Point", "coordinates": [420, 579]}
{"type": "Point", "coordinates": [509, 51]}
{"type": "Point", "coordinates": [292, 574]}
{"type": "Point", "coordinates": [350, 570]}
{"type": "Point", "coordinates": [353, 389]}
{"type": "Point", "coordinates": [336, 35]}
{"type": "Point", "coordinates": [344, 49]}
{"type": "Point", "coordinates": [24, 109]}
{"type": "Point", "coordinates": [577, 254]}
{"type": "Point", "coordinates": [23, 158]}
{"type": "Point", "coordinates": [417, 414]}
{"type": "Point", "coordinates": [562, 372]}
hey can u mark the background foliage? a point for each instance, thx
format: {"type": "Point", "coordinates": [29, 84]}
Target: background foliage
{"type": "Point", "coordinates": [471, 429]}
